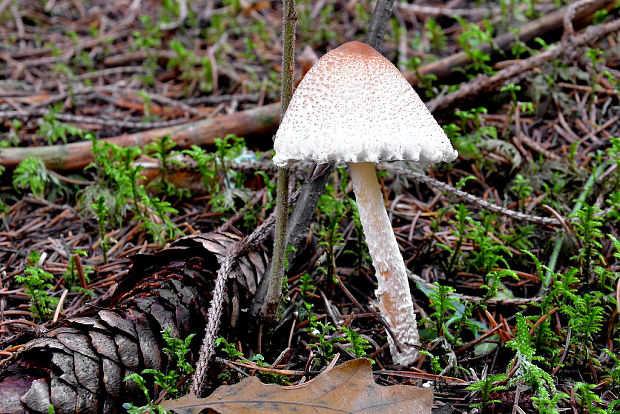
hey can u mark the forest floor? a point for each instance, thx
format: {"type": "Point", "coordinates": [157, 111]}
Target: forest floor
{"type": "Point", "coordinates": [127, 125]}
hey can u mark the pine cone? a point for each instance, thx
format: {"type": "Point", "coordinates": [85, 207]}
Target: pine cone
{"type": "Point", "coordinates": [80, 365]}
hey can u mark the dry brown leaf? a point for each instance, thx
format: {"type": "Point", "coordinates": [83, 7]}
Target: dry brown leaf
{"type": "Point", "coordinates": [348, 388]}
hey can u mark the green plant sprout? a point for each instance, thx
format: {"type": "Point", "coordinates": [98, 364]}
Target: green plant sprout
{"type": "Point", "coordinates": [579, 203]}
{"type": "Point", "coordinates": [482, 136]}
{"type": "Point", "coordinates": [146, 99]}
{"type": "Point", "coordinates": [462, 217]}
{"type": "Point", "coordinates": [585, 320]}
{"type": "Point", "coordinates": [205, 163]}
{"type": "Point", "coordinates": [528, 372]}
{"type": "Point", "coordinates": [435, 361]}
{"type": "Point", "coordinates": [513, 89]}
{"type": "Point", "coordinates": [587, 399]}
{"type": "Point", "coordinates": [487, 252]}
{"type": "Point", "coordinates": [357, 344]}
{"type": "Point", "coordinates": [160, 149]}
{"type": "Point", "coordinates": [12, 139]}
{"type": "Point", "coordinates": [191, 67]}
{"type": "Point", "coordinates": [269, 377]}
{"type": "Point", "coordinates": [149, 40]}
{"type": "Point", "coordinates": [518, 46]}
{"type": "Point", "coordinates": [324, 345]}
{"type": "Point", "coordinates": [471, 40]}
{"type": "Point", "coordinates": [118, 180]}
{"type": "Point", "coordinates": [306, 287]}
{"type": "Point", "coordinates": [522, 187]}
{"type": "Point", "coordinates": [170, 381]}
{"type": "Point", "coordinates": [102, 214]}
{"type": "Point", "coordinates": [32, 174]}
{"type": "Point", "coordinates": [436, 35]}
{"type": "Point", "coordinates": [583, 312]}
{"type": "Point", "coordinates": [488, 387]}
{"type": "Point", "coordinates": [527, 107]}
{"type": "Point", "coordinates": [444, 304]}
{"type": "Point", "coordinates": [223, 183]}
{"type": "Point", "coordinates": [332, 211]}
{"type": "Point", "coordinates": [35, 280]}
{"type": "Point", "coordinates": [587, 229]}
{"type": "Point", "coordinates": [150, 407]}
{"type": "Point", "coordinates": [235, 355]}
{"type": "Point", "coordinates": [52, 129]}
{"type": "Point", "coordinates": [170, 11]}
{"type": "Point", "coordinates": [467, 310]}
{"type": "Point", "coordinates": [450, 310]}
{"type": "Point", "coordinates": [229, 348]}
{"type": "Point", "coordinates": [425, 80]}
{"type": "Point", "coordinates": [596, 57]}
{"type": "Point", "coordinates": [614, 373]}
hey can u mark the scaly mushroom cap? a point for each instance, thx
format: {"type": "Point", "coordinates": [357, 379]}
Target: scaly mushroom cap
{"type": "Point", "coordinates": [354, 105]}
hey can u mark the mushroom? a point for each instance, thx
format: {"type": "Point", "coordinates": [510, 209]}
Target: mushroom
{"type": "Point", "coordinates": [355, 106]}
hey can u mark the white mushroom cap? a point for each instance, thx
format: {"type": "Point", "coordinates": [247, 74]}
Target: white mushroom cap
{"type": "Point", "coordinates": [354, 105]}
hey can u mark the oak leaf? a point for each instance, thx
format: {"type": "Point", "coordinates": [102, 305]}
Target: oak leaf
{"type": "Point", "coordinates": [348, 388]}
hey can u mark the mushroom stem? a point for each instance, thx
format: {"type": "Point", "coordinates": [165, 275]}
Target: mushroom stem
{"type": "Point", "coordinates": [393, 292]}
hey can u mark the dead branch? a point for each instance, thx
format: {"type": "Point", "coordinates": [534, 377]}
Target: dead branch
{"type": "Point", "coordinates": [79, 119]}
{"type": "Point", "coordinates": [257, 121]}
{"type": "Point", "coordinates": [547, 24]}
{"type": "Point", "coordinates": [229, 264]}
{"type": "Point", "coordinates": [476, 299]}
{"type": "Point", "coordinates": [419, 177]}
{"type": "Point", "coordinates": [485, 84]}
{"type": "Point", "coordinates": [473, 13]}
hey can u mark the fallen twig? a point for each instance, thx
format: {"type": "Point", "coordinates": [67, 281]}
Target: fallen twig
{"type": "Point", "coordinates": [227, 268]}
{"type": "Point", "coordinates": [419, 177]}
{"type": "Point", "coordinates": [473, 13]}
{"type": "Point", "coordinates": [183, 12]}
{"type": "Point", "coordinates": [485, 84]}
{"type": "Point", "coordinates": [547, 24]}
{"type": "Point", "coordinates": [476, 299]}
{"type": "Point", "coordinates": [260, 120]}
{"type": "Point", "coordinates": [90, 120]}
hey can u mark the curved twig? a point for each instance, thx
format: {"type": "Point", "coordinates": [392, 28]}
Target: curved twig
{"type": "Point", "coordinates": [180, 20]}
